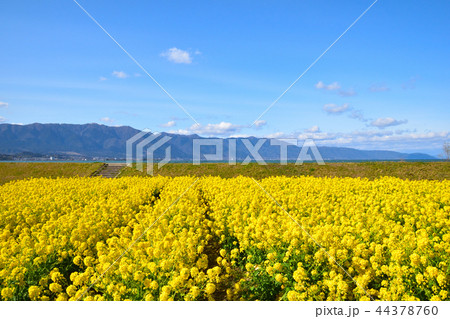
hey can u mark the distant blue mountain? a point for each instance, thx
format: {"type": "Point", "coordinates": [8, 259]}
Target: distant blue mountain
{"type": "Point", "coordinates": [101, 141]}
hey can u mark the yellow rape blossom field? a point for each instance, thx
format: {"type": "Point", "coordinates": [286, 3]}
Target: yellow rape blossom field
{"type": "Point", "coordinates": [135, 238]}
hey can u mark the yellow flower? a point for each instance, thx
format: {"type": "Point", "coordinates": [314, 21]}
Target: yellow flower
{"type": "Point", "coordinates": [441, 279]}
{"type": "Point", "coordinates": [139, 276]}
{"type": "Point", "coordinates": [216, 271]}
{"type": "Point", "coordinates": [432, 271]}
{"type": "Point", "coordinates": [89, 261]}
{"type": "Point", "coordinates": [7, 293]}
{"type": "Point", "coordinates": [279, 278]}
{"type": "Point", "coordinates": [56, 276]}
{"type": "Point", "coordinates": [210, 288]}
{"type": "Point", "coordinates": [419, 278]}
{"type": "Point", "coordinates": [293, 295]}
{"type": "Point", "coordinates": [415, 260]}
{"type": "Point", "coordinates": [78, 260]}
{"type": "Point", "coordinates": [55, 287]}
{"type": "Point", "coordinates": [38, 260]}
{"type": "Point", "coordinates": [154, 285]}
{"type": "Point", "coordinates": [184, 273]}
{"type": "Point", "coordinates": [34, 292]}
{"type": "Point", "coordinates": [386, 230]}
{"type": "Point", "coordinates": [149, 297]}
{"type": "Point", "coordinates": [71, 290]}
{"type": "Point", "coordinates": [194, 272]}
{"type": "Point", "coordinates": [195, 291]}
{"type": "Point", "coordinates": [63, 297]}
{"type": "Point", "coordinates": [435, 298]}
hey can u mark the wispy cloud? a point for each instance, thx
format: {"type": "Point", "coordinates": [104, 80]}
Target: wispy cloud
{"type": "Point", "coordinates": [120, 74]}
{"type": "Point", "coordinates": [335, 86]}
{"type": "Point", "coordinates": [2, 119]}
{"type": "Point", "coordinates": [388, 140]}
{"type": "Point", "coordinates": [277, 135]}
{"type": "Point", "coordinates": [386, 122]}
{"type": "Point", "coordinates": [313, 129]}
{"type": "Point", "coordinates": [3, 104]}
{"type": "Point", "coordinates": [260, 123]}
{"type": "Point", "coordinates": [330, 87]}
{"type": "Point", "coordinates": [397, 140]}
{"type": "Point", "coordinates": [107, 120]}
{"type": "Point", "coordinates": [219, 129]}
{"type": "Point", "coordinates": [358, 115]}
{"type": "Point", "coordinates": [216, 129]}
{"type": "Point", "coordinates": [177, 56]}
{"type": "Point", "coordinates": [336, 109]}
{"type": "Point", "coordinates": [410, 84]}
{"type": "Point", "coordinates": [381, 123]}
{"type": "Point", "coordinates": [347, 93]}
{"type": "Point", "coordinates": [169, 124]}
{"type": "Point", "coordinates": [378, 88]}
{"type": "Point", "coordinates": [102, 78]}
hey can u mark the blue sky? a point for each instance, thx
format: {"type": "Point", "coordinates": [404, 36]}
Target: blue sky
{"type": "Point", "coordinates": [383, 85]}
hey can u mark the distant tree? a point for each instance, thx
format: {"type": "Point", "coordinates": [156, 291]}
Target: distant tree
{"type": "Point", "coordinates": [446, 149]}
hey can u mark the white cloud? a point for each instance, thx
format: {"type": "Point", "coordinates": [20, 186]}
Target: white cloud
{"type": "Point", "coordinates": [177, 56]}
{"type": "Point", "coordinates": [383, 122]}
{"type": "Point", "coordinates": [277, 135]}
{"type": "Point", "coordinates": [348, 93]}
{"type": "Point", "coordinates": [260, 123]}
{"type": "Point", "coordinates": [319, 136]}
{"type": "Point", "coordinates": [329, 87]}
{"type": "Point", "coordinates": [335, 109]}
{"type": "Point", "coordinates": [222, 128]}
{"type": "Point", "coordinates": [333, 87]}
{"type": "Point", "coordinates": [397, 140]}
{"type": "Point", "coordinates": [106, 120]}
{"type": "Point", "coordinates": [169, 124]}
{"type": "Point", "coordinates": [3, 104]}
{"type": "Point", "coordinates": [2, 119]}
{"type": "Point", "coordinates": [120, 74]}
{"type": "Point", "coordinates": [181, 132]}
{"type": "Point", "coordinates": [216, 129]}
{"type": "Point", "coordinates": [378, 88]}
{"type": "Point", "coordinates": [102, 78]}
{"type": "Point", "coordinates": [313, 129]}
{"type": "Point", "coordinates": [358, 115]}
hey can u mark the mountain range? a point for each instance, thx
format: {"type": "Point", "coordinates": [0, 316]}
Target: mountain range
{"type": "Point", "coordinates": [101, 141]}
